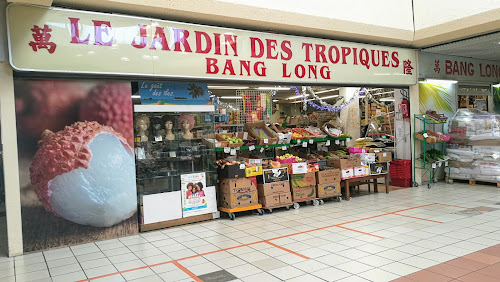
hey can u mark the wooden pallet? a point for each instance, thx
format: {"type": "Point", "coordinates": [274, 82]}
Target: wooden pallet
{"type": "Point", "coordinates": [473, 181]}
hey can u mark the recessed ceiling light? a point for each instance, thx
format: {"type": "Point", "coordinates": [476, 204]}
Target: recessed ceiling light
{"type": "Point", "coordinates": [324, 91]}
{"type": "Point", "coordinates": [274, 88]}
{"type": "Point", "coordinates": [440, 81]}
{"type": "Point", "coordinates": [230, 97]}
{"type": "Point", "coordinates": [227, 87]}
{"type": "Point", "coordinates": [328, 97]}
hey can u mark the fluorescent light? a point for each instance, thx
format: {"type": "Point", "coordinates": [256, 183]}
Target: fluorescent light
{"type": "Point", "coordinates": [136, 96]}
{"type": "Point", "coordinates": [383, 93]}
{"type": "Point", "coordinates": [275, 100]}
{"type": "Point", "coordinates": [374, 89]}
{"type": "Point", "coordinates": [324, 91]}
{"type": "Point", "coordinates": [440, 81]}
{"type": "Point", "coordinates": [387, 100]}
{"type": "Point", "coordinates": [230, 97]}
{"type": "Point", "coordinates": [498, 84]}
{"type": "Point", "coordinates": [297, 96]}
{"type": "Point", "coordinates": [227, 87]}
{"type": "Point", "coordinates": [274, 88]}
{"type": "Point", "coordinates": [328, 97]}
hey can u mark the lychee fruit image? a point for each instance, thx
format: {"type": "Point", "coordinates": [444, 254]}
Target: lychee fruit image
{"type": "Point", "coordinates": [110, 104]}
{"type": "Point", "coordinates": [46, 104]}
{"type": "Point", "coordinates": [85, 173]}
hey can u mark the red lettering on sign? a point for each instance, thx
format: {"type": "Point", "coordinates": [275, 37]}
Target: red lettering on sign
{"type": "Point", "coordinates": [259, 69]}
{"type": "Point", "coordinates": [217, 43]}
{"type": "Point", "coordinates": [285, 74]}
{"type": "Point", "coordinates": [308, 47]}
{"type": "Point", "coordinates": [373, 58]}
{"type": "Point", "coordinates": [229, 67]}
{"type": "Point", "coordinates": [286, 47]}
{"type": "Point", "coordinates": [447, 67]}
{"type": "Point", "coordinates": [212, 67]}
{"type": "Point", "coordinates": [230, 40]}
{"type": "Point", "coordinates": [395, 59]}
{"type": "Point", "coordinates": [75, 32]}
{"type": "Point", "coordinates": [271, 46]}
{"type": "Point", "coordinates": [99, 30]}
{"type": "Point", "coordinates": [320, 53]}
{"type": "Point", "coordinates": [159, 37]}
{"type": "Point", "coordinates": [180, 37]}
{"type": "Point", "coordinates": [143, 37]}
{"type": "Point", "coordinates": [345, 52]}
{"type": "Point", "coordinates": [253, 41]}
{"type": "Point", "coordinates": [355, 51]}
{"type": "Point", "coordinates": [337, 54]}
{"type": "Point", "coordinates": [385, 57]}
{"type": "Point", "coordinates": [199, 40]}
{"type": "Point", "coordinates": [325, 72]}
{"type": "Point", "coordinates": [246, 65]}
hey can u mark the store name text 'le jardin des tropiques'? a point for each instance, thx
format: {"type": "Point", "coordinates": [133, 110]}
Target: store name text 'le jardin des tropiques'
{"type": "Point", "coordinates": [316, 57]}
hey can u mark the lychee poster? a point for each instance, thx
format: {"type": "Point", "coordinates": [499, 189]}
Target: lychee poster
{"type": "Point", "coordinates": [76, 161]}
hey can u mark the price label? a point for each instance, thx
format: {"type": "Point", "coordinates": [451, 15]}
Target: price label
{"type": "Point", "coordinates": [227, 150]}
{"type": "Point", "coordinates": [337, 142]}
{"type": "Point", "coordinates": [446, 163]}
{"type": "Point", "coordinates": [251, 148]}
{"type": "Point", "coordinates": [217, 144]}
{"type": "Point", "coordinates": [298, 141]}
{"type": "Point", "coordinates": [261, 150]}
{"type": "Point", "coordinates": [242, 166]}
{"type": "Point", "coordinates": [172, 154]}
{"type": "Point", "coordinates": [426, 135]}
{"type": "Point", "coordinates": [233, 152]}
{"type": "Point", "coordinates": [237, 148]}
{"type": "Point", "coordinates": [440, 164]}
{"type": "Point", "coordinates": [245, 135]}
{"type": "Point", "coordinates": [266, 141]}
{"type": "Point", "coordinates": [304, 144]}
{"type": "Point", "coordinates": [284, 148]}
{"type": "Point", "coordinates": [433, 165]}
{"type": "Point", "coordinates": [311, 141]}
{"type": "Point", "coordinates": [327, 143]}
{"type": "Point", "coordinates": [257, 168]}
{"type": "Point", "coordinates": [348, 139]}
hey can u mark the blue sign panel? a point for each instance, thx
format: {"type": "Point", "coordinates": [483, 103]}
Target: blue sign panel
{"type": "Point", "coordinates": [173, 93]}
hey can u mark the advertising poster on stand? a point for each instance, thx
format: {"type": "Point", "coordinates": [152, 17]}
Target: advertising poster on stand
{"type": "Point", "coordinates": [76, 161]}
{"type": "Point", "coordinates": [194, 197]}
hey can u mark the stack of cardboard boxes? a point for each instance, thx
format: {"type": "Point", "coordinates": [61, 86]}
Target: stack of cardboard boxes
{"type": "Point", "coordinates": [375, 161]}
{"type": "Point", "coordinates": [237, 192]}
{"type": "Point", "coordinates": [273, 188]}
{"type": "Point", "coordinates": [328, 183]}
{"type": "Point", "coordinates": [350, 166]}
{"type": "Point", "coordinates": [303, 186]}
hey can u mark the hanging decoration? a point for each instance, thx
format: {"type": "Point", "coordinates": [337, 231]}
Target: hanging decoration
{"type": "Point", "coordinates": [217, 102]}
{"type": "Point", "coordinates": [324, 106]}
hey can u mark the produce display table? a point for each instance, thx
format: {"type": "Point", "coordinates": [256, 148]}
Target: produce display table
{"type": "Point", "coordinates": [346, 183]}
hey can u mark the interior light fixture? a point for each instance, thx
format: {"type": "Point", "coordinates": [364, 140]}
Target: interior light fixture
{"type": "Point", "coordinates": [301, 101]}
{"type": "Point", "coordinates": [439, 81]}
{"type": "Point", "coordinates": [274, 88]}
{"type": "Point", "coordinates": [387, 100]}
{"type": "Point", "coordinates": [328, 97]}
{"type": "Point", "coordinates": [275, 100]}
{"type": "Point", "coordinates": [230, 97]}
{"type": "Point", "coordinates": [498, 84]}
{"type": "Point", "coordinates": [227, 87]}
{"type": "Point", "coordinates": [324, 91]}
{"type": "Point", "coordinates": [297, 96]}
{"type": "Point", "coordinates": [136, 96]}
{"type": "Point", "coordinates": [383, 93]}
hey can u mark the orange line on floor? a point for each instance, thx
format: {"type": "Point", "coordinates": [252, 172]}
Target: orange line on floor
{"type": "Point", "coordinates": [285, 249]}
{"type": "Point", "coordinates": [360, 232]}
{"type": "Point", "coordinates": [262, 241]}
{"type": "Point", "coordinates": [416, 217]}
{"type": "Point", "coordinates": [195, 278]}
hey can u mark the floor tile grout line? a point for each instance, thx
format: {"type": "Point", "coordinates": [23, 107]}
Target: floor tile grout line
{"type": "Point", "coordinates": [253, 243]}
{"type": "Point", "coordinates": [185, 270]}
{"type": "Point", "coordinates": [417, 217]}
{"type": "Point", "coordinates": [287, 250]}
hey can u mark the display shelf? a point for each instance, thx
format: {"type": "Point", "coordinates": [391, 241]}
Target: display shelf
{"type": "Point", "coordinates": [426, 120]}
{"type": "Point", "coordinates": [430, 142]}
{"type": "Point", "coordinates": [315, 140]}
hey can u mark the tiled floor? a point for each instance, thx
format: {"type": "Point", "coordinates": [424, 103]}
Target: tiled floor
{"type": "Point", "coordinates": [416, 234]}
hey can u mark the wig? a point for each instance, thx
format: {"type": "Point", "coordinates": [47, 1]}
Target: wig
{"type": "Point", "coordinates": [141, 118]}
{"type": "Point", "coordinates": [186, 117]}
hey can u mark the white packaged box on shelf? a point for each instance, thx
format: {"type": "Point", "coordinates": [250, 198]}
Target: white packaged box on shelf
{"type": "Point", "coordinates": [347, 173]}
{"type": "Point", "coordinates": [360, 171]}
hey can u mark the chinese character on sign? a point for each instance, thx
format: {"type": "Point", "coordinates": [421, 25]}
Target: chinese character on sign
{"type": "Point", "coordinates": [407, 67]}
{"type": "Point", "coordinates": [436, 66]}
{"type": "Point", "coordinates": [41, 38]}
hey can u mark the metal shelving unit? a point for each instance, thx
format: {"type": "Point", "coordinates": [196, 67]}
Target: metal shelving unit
{"type": "Point", "coordinates": [421, 162]}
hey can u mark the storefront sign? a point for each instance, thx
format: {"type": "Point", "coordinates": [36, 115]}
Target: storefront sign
{"type": "Point", "coordinates": [458, 68]}
{"type": "Point", "coordinates": [173, 93]}
{"type": "Point", "coordinates": [61, 40]}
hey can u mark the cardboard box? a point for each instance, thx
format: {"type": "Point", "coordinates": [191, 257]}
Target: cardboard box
{"type": "Point", "coordinates": [383, 157]}
{"type": "Point", "coordinates": [286, 198]}
{"type": "Point", "coordinates": [302, 180]}
{"type": "Point", "coordinates": [213, 143]}
{"type": "Point", "coordinates": [360, 171]}
{"type": "Point", "coordinates": [328, 190]}
{"type": "Point", "coordinates": [373, 150]}
{"type": "Point", "coordinates": [219, 137]}
{"type": "Point", "coordinates": [253, 179]}
{"type": "Point", "coordinates": [312, 167]}
{"type": "Point", "coordinates": [238, 200]}
{"type": "Point", "coordinates": [347, 173]}
{"type": "Point", "coordinates": [379, 168]}
{"type": "Point", "coordinates": [343, 162]}
{"type": "Point", "coordinates": [273, 188]}
{"type": "Point", "coordinates": [367, 158]}
{"type": "Point", "coordinates": [304, 193]}
{"type": "Point", "coordinates": [231, 171]}
{"type": "Point", "coordinates": [297, 168]}
{"type": "Point", "coordinates": [274, 175]}
{"type": "Point", "coordinates": [270, 136]}
{"type": "Point", "coordinates": [271, 200]}
{"type": "Point", "coordinates": [253, 171]}
{"type": "Point", "coordinates": [328, 176]}
{"type": "Point", "coordinates": [236, 186]}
